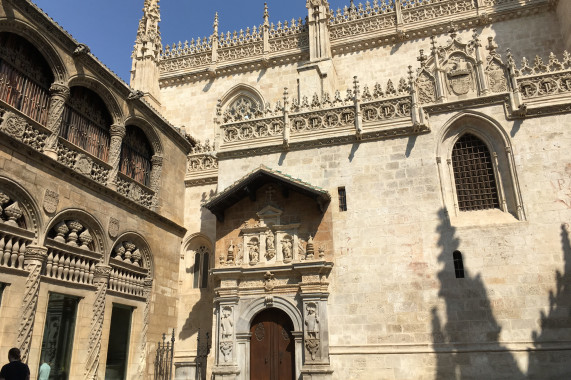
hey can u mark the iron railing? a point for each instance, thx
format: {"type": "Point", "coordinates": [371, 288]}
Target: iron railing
{"type": "Point", "coordinates": [164, 359]}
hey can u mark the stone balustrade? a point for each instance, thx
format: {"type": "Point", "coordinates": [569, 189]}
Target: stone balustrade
{"type": "Point", "coordinates": [127, 279]}
{"type": "Point", "coordinates": [69, 263]}
{"type": "Point", "coordinates": [13, 243]}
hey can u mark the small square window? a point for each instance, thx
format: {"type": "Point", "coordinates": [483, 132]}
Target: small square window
{"type": "Point", "coordinates": [342, 199]}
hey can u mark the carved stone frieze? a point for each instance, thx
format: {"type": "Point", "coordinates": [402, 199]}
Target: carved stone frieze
{"type": "Point", "coordinates": [201, 162]}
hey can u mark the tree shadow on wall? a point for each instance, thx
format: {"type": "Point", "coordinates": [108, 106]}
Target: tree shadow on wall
{"type": "Point", "coordinates": [555, 325]}
{"type": "Point", "coordinates": [469, 322]}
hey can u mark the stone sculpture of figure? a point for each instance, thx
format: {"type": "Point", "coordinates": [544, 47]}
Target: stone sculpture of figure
{"type": "Point", "coordinates": [254, 251]}
{"type": "Point", "coordinates": [230, 257]}
{"type": "Point", "coordinates": [287, 249]}
{"type": "Point", "coordinates": [312, 322]}
{"type": "Point", "coordinates": [270, 241]}
{"type": "Point", "coordinates": [226, 325]}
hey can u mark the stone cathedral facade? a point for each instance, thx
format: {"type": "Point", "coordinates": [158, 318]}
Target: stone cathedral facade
{"type": "Point", "coordinates": [376, 192]}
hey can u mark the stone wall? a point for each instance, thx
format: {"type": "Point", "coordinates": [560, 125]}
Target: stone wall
{"type": "Point", "coordinates": [393, 288]}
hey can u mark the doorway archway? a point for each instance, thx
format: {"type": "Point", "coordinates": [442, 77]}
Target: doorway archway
{"type": "Point", "coordinates": [272, 346]}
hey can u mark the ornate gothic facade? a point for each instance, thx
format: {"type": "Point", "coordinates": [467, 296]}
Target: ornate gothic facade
{"type": "Point", "coordinates": [376, 192]}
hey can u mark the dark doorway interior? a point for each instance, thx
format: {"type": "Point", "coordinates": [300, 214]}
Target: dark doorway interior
{"type": "Point", "coordinates": [118, 348]}
{"type": "Point", "coordinates": [57, 343]}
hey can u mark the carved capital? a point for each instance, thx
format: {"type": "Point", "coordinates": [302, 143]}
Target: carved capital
{"type": "Point", "coordinates": [157, 160]}
{"type": "Point", "coordinates": [35, 253]}
{"type": "Point", "coordinates": [102, 273]}
{"type": "Point", "coordinates": [59, 89]}
{"type": "Point", "coordinates": [118, 130]}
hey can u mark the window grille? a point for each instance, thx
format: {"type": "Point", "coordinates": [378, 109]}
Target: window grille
{"type": "Point", "coordinates": [342, 199]}
{"type": "Point", "coordinates": [136, 154]}
{"type": "Point", "coordinates": [458, 264]}
{"type": "Point", "coordinates": [86, 122]}
{"type": "Point", "coordinates": [474, 175]}
{"type": "Point", "coordinates": [25, 77]}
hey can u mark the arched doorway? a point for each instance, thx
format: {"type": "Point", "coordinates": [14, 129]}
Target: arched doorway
{"type": "Point", "coordinates": [272, 346]}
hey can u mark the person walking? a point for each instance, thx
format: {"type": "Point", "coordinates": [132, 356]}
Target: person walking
{"type": "Point", "coordinates": [15, 370]}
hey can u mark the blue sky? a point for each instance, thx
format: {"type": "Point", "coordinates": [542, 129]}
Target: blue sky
{"type": "Point", "coordinates": [109, 27]}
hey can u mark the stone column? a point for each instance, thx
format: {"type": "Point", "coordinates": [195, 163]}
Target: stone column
{"type": "Point", "coordinates": [33, 261]}
{"type": "Point", "coordinates": [117, 134]}
{"type": "Point", "coordinates": [59, 94]}
{"type": "Point", "coordinates": [157, 168]}
{"type": "Point", "coordinates": [101, 281]}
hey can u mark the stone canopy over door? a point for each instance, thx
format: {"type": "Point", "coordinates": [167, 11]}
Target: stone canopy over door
{"type": "Point", "coordinates": [273, 242]}
{"type": "Point", "coordinates": [272, 346]}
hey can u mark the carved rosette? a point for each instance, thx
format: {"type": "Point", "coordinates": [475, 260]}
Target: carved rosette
{"type": "Point", "coordinates": [13, 125]}
{"type": "Point", "coordinates": [59, 94]}
{"type": "Point", "coordinates": [34, 259]}
{"type": "Point", "coordinates": [100, 280]}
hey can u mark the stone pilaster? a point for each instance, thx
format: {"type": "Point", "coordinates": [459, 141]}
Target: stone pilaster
{"type": "Point", "coordinates": [117, 134]}
{"type": "Point", "coordinates": [101, 281]}
{"type": "Point", "coordinates": [143, 338]}
{"type": "Point", "coordinates": [33, 261]}
{"type": "Point", "coordinates": [318, 22]}
{"type": "Point", "coordinates": [59, 94]}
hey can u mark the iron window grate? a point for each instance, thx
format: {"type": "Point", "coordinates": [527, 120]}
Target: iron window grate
{"type": "Point", "coordinates": [474, 175]}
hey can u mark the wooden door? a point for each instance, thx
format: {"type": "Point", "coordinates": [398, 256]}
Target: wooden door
{"type": "Point", "coordinates": [272, 355]}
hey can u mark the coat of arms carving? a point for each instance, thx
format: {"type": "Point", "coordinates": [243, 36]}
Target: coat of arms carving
{"type": "Point", "coordinates": [51, 201]}
{"type": "Point", "coordinates": [113, 228]}
{"type": "Point", "coordinates": [460, 75]}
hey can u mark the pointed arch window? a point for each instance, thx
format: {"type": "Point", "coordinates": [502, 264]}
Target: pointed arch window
{"type": "Point", "coordinates": [86, 122]}
{"type": "Point", "coordinates": [25, 77]}
{"type": "Point", "coordinates": [242, 108]}
{"type": "Point", "coordinates": [201, 267]}
{"type": "Point", "coordinates": [474, 175]}
{"type": "Point", "coordinates": [136, 155]}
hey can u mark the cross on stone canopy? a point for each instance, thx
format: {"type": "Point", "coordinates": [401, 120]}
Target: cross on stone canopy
{"type": "Point", "coordinates": [270, 193]}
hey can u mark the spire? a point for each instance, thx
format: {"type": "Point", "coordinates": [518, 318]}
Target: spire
{"type": "Point", "coordinates": [149, 32]}
{"type": "Point", "coordinates": [215, 24]}
{"type": "Point", "coordinates": [148, 47]}
{"type": "Point", "coordinates": [266, 15]}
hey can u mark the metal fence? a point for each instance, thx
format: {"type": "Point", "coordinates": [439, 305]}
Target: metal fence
{"type": "Point", "coordinates": [164, 359]}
